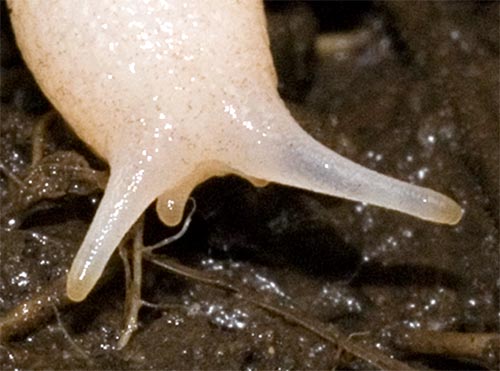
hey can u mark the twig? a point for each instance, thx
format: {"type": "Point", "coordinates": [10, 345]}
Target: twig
{"type": "Point", "coordinates": [32, 313]}
{"type": "Point", "coordinates": [370, 355]}
{"type": "Point", "coordinates": [38, 136]}
{"type": "Point", "coordinates": [133, 280]}
{"type": "Point", "coordinates": [133, 273]}
{"type": "Point", "coordinates": [68, 337]}
{"type": "Point", "coordinates": [38, 310]}
{"type": "Point", "coordinates": [484, 347]}
{"type": "Point", "coordinates": [13, 177]}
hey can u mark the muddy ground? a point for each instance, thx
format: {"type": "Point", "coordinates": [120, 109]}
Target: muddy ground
{"type": "Point", "coordinates": [279, 278]}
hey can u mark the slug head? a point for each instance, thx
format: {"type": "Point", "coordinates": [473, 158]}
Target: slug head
{"type": "Point", "coordinates": [172, 93]}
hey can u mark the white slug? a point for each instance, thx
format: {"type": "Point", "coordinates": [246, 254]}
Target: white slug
{"type": "Point", "coordinates": [173, 92]}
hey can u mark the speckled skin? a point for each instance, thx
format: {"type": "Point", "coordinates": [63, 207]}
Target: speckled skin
{"type": "Point", "coordinates": [171, 93]}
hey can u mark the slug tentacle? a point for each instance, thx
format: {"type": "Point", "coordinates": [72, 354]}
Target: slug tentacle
{"type": "Point", "coordinates": [297, 160]}
{"type": "Point", "coordinates": [321, 170]}
{"type": "Point", "coordinates": [130, 190]}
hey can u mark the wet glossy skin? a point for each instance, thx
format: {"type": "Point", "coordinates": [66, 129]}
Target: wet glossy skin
{"type": "Point", "coordinates": [171, 93]}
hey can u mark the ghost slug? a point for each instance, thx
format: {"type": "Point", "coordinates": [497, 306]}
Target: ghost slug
{"type": "Point", "coordinates": [171, 93]}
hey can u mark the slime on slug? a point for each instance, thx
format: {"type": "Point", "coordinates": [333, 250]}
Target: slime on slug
{"type": "Point", "coordinates": [173, 93]}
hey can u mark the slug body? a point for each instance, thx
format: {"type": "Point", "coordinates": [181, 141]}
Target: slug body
{"type": "Point", "coordinates": [171, 93]}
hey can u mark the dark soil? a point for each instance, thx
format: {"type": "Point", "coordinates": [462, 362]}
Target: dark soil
{"type": "Point", "coordinates": [408, 89]}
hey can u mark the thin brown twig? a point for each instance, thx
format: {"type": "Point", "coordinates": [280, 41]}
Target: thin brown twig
{"type": "Point", "coordinates": [32, 313]}
{"type": "Point", "coordinates": [9, 174]}
{"type": "Point", "coordinates": [133, 273]}
{"type": "Point", "coordinates": [484, 347]}
{"type": "Point", "coordinates": [38, 136]}
{"type": "Point", "coordinates": [366, 353]}
{"type": "Point", "coordinates": [78, 350]}
{"type": "Point", "coordinates": [133, 281]}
